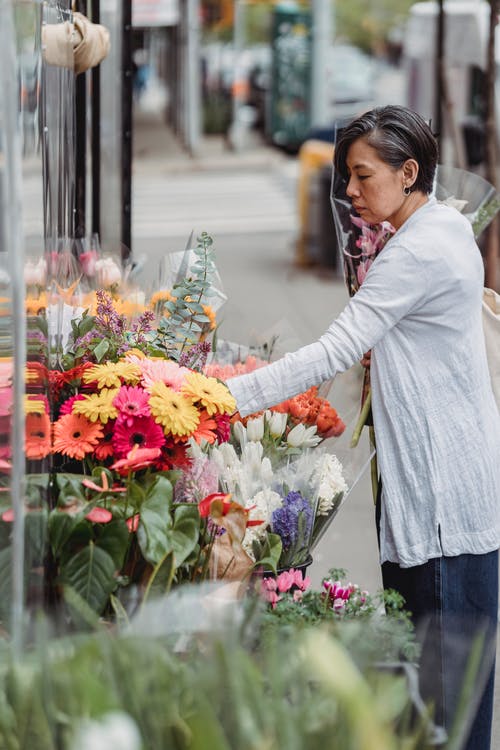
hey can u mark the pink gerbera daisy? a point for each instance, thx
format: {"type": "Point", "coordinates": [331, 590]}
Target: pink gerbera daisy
{"type": "Point", "coordinates": [164, 371]}
{"type": "Point", "coordinates": [131, 402]}
{"type": "Point", "coordinates": [67, 406]}
{"type": "Point", "coordinates": [139, 432]}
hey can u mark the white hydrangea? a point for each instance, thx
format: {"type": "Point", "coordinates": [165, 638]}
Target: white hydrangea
{"type": "Point", "coordinates": [261, 506]}
{"type": "Point", "coordinates": [331, 482]}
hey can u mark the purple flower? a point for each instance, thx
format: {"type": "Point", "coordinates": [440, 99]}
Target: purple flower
{"type": "Point", "coordinates": [196, 355]}
{"type": "Point", "coordinates": [293, 521]}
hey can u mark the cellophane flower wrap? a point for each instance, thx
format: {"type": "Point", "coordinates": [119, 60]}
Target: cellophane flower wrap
{"type": "Point", "coordinates": [281, 465]}
{"type": "Point", "coordinates": [116, 400]}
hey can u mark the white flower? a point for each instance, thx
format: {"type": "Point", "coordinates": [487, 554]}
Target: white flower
{"type": "Point", "coordinates": [108, 272]}
{"type": "Point", "coordinates": [303, 437]}
{"type": "Point", "coordinates": [261, 507]}
{"type": "Point", "coordinates": [331, 482]}
{"type": "Point", "coordinates": [35, 273]}
{"type": "Point", "coordinates": [114, 730]}
{"type": "Point", "coordinates": [255, 428]}
{"type": "Point", "coordinates": [240, 433]}
{"type": "Point", "coordinates": [277, 423]}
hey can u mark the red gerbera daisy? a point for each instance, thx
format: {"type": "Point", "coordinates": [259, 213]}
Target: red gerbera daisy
{"type": "Point", "coordinates": [104, 448]}
{"type": "Point", "coordinates": [141, 432]}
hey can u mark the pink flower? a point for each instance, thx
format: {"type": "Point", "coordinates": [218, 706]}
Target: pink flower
{"type": "Point", "coordinates": [105, 485]}
{"type": "Point", "coordinates": [142, 432]}
{"type": "Point", "coordinates": [99, 515]}
{"type": "Point", "coordinates": [131, 401]}
{"type": "Point", "coordinates": [162, 370]}
{"type": "Point", "coordinates": [362, 270]}
{"type": "Point", "coordinates": [67, 406]}
{"type": "Point", "coordinates": [285, 581]}
{"type": "Point", "coordinates": [87, 262]}
{"type": "Point", "coordinates": [137, 458]}
{"type": "Point", "coordinates": [8, 515]}
{"type": "Point", "coordinates": [269, 584]}
{"type": "Point", "coordinates": [133, 522]}
{"type": "Point", "coordinates": [223, 431]}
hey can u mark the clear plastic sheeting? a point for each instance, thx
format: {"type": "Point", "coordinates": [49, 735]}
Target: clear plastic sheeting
{"type": "Point", "coordinates": [58, 127]}
{"type": "Point", "coordinates": [12, 335]}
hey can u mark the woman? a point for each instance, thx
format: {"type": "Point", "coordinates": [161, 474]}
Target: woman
{"type": "Point", "coordinates": [436, 421]}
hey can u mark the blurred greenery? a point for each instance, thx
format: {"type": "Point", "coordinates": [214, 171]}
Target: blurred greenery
{"type": "Point", "coordinates": [220, 688]}
{"type": "Point", "coordinates": [364, 23]}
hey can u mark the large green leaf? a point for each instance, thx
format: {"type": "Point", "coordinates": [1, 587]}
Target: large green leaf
{"type": "Point", "coordinates": [156, 521]}
{"type": "Point", "coordinates": [91, 574]}
{"type": "Point", "coordinates": [5, 582]}
{"type": "Point", "coordinates": [185, 533]}
{"type": "Point", "coordinates": [61, 527]}
{"type": "Point", "coordinates": [70, 486]}
{"type": "Point", "coordinates": [113, 537]}
{"type": "Point", "coordinates": [36, 535]}
{"type": "Point", "coordinates": [161, 578]}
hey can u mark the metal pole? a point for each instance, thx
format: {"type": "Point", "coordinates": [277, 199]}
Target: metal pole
{"type": "Point", "coordinates": [438, 110]}
{"type": "Point", "coordinates": [321, 93]}
{"type": "Point", "coordinates": [193, 98]}
{"type": "Point", "coordinates": [79, 210]}
{"type": "Point", "coordinates": [126, 112]}
{"type": "Point", "coordinates": [96, 134]}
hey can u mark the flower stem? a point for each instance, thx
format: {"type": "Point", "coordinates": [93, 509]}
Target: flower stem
{"type": "Point", "coordinates": [363, 415]}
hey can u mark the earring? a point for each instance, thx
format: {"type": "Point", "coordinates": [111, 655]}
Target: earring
{"type": "Point", "coordinates": [406, 190]}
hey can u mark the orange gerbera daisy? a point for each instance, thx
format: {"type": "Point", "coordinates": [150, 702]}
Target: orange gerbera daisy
{"type": "Point", "coordinates": [206, 429]}
{"type": "Point", "coordinates": [75, 436]}
{"type": "Point", "coordinates": [37, 435]}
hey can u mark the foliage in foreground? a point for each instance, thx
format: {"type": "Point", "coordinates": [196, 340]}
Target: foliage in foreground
{"type": "Point", "coordinates": [193, 673]}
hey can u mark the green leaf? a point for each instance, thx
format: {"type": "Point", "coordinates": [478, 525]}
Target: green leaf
{"type": "Point", "coordinates": [185, 533]}
{"type": "Point", "coordinates": [91, 574]}
{"type": "Point", "coordinates": [113, 537]}
{"type": "Point", "coordinates": [36, 536]}
{"type": "Point", "coordinates": [60, 528]}
{"type": "Point", "coordinates": [268, 553]}
{"type": "Point", "coordinates": [5, 582]}
{"type": "Point", "coordinates": [161, 578]}
{"type": "Point", "coordinates": [101, 349]}
{"type": "Point", "coordinates": [70, 486]}
{"type": "Point", "coordinates": [156, 520]}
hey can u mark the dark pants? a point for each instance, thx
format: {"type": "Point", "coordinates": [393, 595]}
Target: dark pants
{"type": "Point", "coordinates": [453, 601]}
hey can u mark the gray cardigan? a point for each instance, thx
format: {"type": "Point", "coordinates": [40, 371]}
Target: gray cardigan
{"type": "Point", "coordinates": [436, 421]}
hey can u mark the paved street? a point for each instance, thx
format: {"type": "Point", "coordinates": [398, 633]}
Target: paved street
{"type": "Point", "coordinates": [248, 203]}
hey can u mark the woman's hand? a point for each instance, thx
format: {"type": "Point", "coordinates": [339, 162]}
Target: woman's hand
{"type": "Point", "coordinates": [366, 359]}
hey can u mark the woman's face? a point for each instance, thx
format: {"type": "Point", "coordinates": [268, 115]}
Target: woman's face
{"type": "Point", "coordinates": [375, 188]}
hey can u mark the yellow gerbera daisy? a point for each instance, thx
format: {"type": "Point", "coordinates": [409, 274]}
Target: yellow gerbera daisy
{"type": "Point", "coordinates": [159, 298]}
{"type": "Point", "coordinates": [211, 394]}
{"type": "Point", "coordinates": [98, 406]}
{"type": "Point", "coordinates": [170, 409]}
{"type": "Point", "coordinates": [35, 304]}
{"type": "Point", "coordinates": [34, 405]}
{"type": "Point", "coordinates": [113, 374]}
{"type": "Point", "coordinates": [129, 308]}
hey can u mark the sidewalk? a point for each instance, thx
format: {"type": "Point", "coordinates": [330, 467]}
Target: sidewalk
{"type": "Point", "coordinates": [156, 148]}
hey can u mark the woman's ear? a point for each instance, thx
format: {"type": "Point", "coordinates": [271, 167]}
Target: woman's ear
{"type": "Point", "coordinates": [410, 171]}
